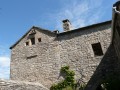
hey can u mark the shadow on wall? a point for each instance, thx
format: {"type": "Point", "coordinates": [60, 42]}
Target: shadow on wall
{"type": "Point", "coordinates": [108, 67]}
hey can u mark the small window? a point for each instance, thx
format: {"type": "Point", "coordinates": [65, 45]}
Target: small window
{"type": "Point", "coordinates": [27, 43]}
{"type": "Point", "coordinates": [32, 41]}
{"type": "Point", "coordinates": [97, 49]}
{"type": "Point", "coordinates": [39, 39]}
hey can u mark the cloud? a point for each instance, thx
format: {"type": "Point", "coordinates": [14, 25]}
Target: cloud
{"type": "Point", "coordinates": [4, 62]}
{"type": "Point", "coordinates": [80, 12]}
{"type": "Point", "coordinates": [4, 67]}
{"type": "Point", "coordinates": [4, 50]}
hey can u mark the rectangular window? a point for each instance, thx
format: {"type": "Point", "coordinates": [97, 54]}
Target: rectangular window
{"type": "Point", "coordinates": [97, 49]}
{"type": "Point", "coordinates": [32, 41]}
{"type": "Point", "coordinates": [27, 43]}
{"type": "Point", "coordinates": [39, 39]}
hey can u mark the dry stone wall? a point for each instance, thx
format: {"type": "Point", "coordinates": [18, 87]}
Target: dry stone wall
{"type": "Point", "coordinates": [35, 63]}
{"type": "Point", "coordinates": [18, 85]}
{"type": "Point", "coordinates": [42, 62]}
{"type": "Point", "coordinates": [76, 50]}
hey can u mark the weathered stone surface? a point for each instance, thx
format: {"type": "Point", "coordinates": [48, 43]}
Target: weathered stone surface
{"type": "Point", "coordinates": [73, 49]}
{"type": "Point", "coordinates": [19, 85]}
{"type": "Point", "coordinates": [109, 66]}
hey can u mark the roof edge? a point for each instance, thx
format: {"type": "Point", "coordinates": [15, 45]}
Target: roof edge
{"type": "Point", "coordinates": [38, 28]}
{"type": "Point", "coordinates": [21, 38]}
{"type": "Point", "coordinates": [33, 27]}
{"type": "Point", "coordinates": [89, 26]}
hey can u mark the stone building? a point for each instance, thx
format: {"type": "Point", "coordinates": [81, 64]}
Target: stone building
{"type": "Point", "coordinates": [91, 51]}
{"type": "Point", "coordinates": [109, 67]}
{"type": "Point", "coordinates": [39, 54]}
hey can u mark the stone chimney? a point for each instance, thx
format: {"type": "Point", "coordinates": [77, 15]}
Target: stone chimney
{"type": "Point", "coordinates": [66, 25]}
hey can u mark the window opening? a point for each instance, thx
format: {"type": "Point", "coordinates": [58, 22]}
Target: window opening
{"type": "Point", "coordinates": [39, 39]}
{"type": "Point", "coordinates": [32, 41]}
{"type": "Point", "coordinates": [97, 49]}
{"type": "Point", "coordinates": [27, 43]}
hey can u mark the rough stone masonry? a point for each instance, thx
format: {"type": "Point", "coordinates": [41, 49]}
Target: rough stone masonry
{"type": "Point", "coordinates": [20, 85]}
{"type": "Point", "coordinates": [39, 54]}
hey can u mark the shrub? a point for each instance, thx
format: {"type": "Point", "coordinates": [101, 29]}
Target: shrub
{"type": "Point", "coordinates": [69, 82]}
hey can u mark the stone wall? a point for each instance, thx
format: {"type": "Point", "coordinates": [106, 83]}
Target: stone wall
{"type": "Point", "coordinates": [33, 63]}
{"type": "Point", "coordinates": [107, 68]}
{"type": "Point", "coordinates": [42, 62]}
{"type": "Point", "coordinates": [76, 50]}
{"type": "Point", "coordinates": [18, 85]}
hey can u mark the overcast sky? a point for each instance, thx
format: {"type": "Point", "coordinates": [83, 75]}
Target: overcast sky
{"type": "Point", "coordinates": [18, 16]}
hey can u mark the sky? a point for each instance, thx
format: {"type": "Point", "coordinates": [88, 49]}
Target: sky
{"type": "Point", "coordinates": [18, 16]}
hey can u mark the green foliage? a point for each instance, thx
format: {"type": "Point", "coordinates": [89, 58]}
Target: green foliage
{"type": "Point", "coordinates": [69, 82]}
{"type": "Point", "coordinates": [68, 88]}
